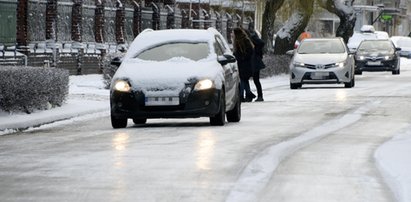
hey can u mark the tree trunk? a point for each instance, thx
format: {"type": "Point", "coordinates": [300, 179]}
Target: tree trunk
{"type": "Point", "coordinates": [294, 26]}
{"type": "Point", "coordinates": [346, 14]}
{"type": "Point", "coordinates": [267, 32]}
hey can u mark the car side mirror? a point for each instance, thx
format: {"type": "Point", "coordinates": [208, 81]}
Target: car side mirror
{"type": "Point", "coordinates": [290, 52]}
{"type": "Point", "coordinates": [225, 59]}
{"type": "Point", "coordinates": [116, 61]}
{"type": "Point", "coordinates": [398, 49]}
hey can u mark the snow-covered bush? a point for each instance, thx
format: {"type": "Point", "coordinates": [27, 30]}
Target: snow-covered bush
{"type": "Point", "coordinates": [32, 88]}
{"type": "Point", "coordinates": [275, 65]}
{"type": "Point", "coordinates": [108, 69]}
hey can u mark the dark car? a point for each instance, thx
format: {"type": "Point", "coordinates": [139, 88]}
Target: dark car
{"type": "Point", "coordinates": [377, 55]}
{"type": "Point", "coordinates": [176, 74]}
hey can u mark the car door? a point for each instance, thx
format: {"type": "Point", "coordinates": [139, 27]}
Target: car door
{"type": "Point", "coordinates": [230, 73]}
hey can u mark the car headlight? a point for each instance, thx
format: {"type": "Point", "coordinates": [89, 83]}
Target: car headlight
{"type": "Point", "coordinates": [299, 64]}
{"type": "Point", "coordinates": [122, 86]}
{"type": "Point", "coordinates": [387, 57]}
{"type": "Point", "coordinates": [204, 84]}
{"type": "Point", "coordinates": [339, 64]}
{"type": "Point", "coordinates": [360, 57]}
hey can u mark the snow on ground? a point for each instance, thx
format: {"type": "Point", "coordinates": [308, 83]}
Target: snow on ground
{"type": "Point", "coordinates": [88, 99]}
{"type": "Point", "coordinates": [86, 96]}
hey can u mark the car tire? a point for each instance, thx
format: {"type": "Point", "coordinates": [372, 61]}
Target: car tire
{"type": "Point", "coordinates": [139, 120]}
{"type": "Point", "coordinates": [357, 72]}
{"type": "Point", "coordinates": [234, 115]}
{"type": "Point", "coordinates": [295, 85]}
{"type": "Point", "coordinates": [118, 123]}
{"type": "Point", "coordinates": [396, 72]}
{"type": "Point", "coordinates": [350, 84]}
{"type": "Point", "coordinates": [219, 118]}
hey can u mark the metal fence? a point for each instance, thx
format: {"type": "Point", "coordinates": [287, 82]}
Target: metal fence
{"type": "Point", "coordinates": [80, 49]}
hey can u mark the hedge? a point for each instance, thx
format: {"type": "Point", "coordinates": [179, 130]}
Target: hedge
{"type": "Point", "coordinates": [32, 88]}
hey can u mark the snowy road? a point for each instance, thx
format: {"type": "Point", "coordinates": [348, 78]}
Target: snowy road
{"type": "Point", "coordinates": [312, 144]}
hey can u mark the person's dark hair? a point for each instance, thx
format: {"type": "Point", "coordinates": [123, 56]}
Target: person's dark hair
{"type": "Point", "coordinates": [241, 40]}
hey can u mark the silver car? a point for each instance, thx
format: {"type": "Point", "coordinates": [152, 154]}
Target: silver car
{"type": "Point", "coordinates": [322, 61]}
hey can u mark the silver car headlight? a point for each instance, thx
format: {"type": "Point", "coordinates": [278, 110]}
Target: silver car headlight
{"type": "Point", "coordinates": [361, 57]}
{"type": "Point", "coordinates": [339, 64]}
{"type": "Point", "coordinates": [122, 86]}
{"type": "Point", "coordinates": [204, 84]}
{"type": "Point", "coordinates": [387, 57]}
{"type": "Point", "coordinates": [299, 64]}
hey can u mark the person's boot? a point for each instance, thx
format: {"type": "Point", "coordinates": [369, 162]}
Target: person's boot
{"type": "Point", "coordinates": [259, 99]}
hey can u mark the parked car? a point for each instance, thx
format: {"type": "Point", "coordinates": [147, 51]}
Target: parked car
{"type": "Point", "coordinates": [404, 43]}
{"type": "Point", "coordinates": [176, 74]}
{"type": "Point", "coordinates": [322, 61]}
{"type": "Point", "coordinates": [377, 55]}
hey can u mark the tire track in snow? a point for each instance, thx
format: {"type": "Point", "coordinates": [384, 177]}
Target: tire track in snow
{"type": "Point", "coordinates": [258, 172]}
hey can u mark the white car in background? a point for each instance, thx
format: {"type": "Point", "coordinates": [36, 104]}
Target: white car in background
{"type": "Point", "coordinates": [367, 32]}
{"type": "Point", "coordinates": [322, 61]}
{"type": "Point", "coordinates": [403, 42]}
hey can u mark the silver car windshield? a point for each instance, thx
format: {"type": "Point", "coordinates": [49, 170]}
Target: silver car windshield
{"type": "Point", "coordinates": [374, 45]}
{"type": "Point", "coordinates": [163, 52]}
{"type": "Point", "coordinates": [321, 46]}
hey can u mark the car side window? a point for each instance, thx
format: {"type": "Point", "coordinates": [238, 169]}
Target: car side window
{"type": "Point", "coordinates": [218, 49]}
{"type": "Point", "coordinates": [220, 42]}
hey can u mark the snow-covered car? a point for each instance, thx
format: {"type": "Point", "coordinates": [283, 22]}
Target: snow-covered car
{"type": "Point", "coordinates": [404, 43]}
{"type": "Point", "coordinates": [355, 40]}
{"type": "Point", "coordinates": [180, 73]}
{"type": "Point", "coordinates": [366, 32]}
{"type": "Point", "coordinates": [322, 61]}
{"type": "Point", "coordinates": [377, 55]}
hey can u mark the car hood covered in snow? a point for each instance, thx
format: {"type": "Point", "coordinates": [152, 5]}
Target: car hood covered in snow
{"type": "Point", "coordinates": [168, 77]}
{"type": "Point", "coordinates": [320, 58]}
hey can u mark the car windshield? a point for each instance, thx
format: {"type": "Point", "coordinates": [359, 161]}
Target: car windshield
{"type": "Point", "coordinates": [372, 46]}
{"type": "Point", "coordinates": [321, 46]}
{"type": "Point", "coordinates": [163, 52]}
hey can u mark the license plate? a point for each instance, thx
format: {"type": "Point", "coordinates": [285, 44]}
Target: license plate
{"type": "Point", "coordinates": [320, 75]}
{"type": "Point", "coordinates": [374, 63]}
{"type": "Point", "coordinates": [162, 101]}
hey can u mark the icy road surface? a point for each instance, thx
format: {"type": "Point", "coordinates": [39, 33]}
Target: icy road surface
{"type": "Point", "coordinates": [314, 144]}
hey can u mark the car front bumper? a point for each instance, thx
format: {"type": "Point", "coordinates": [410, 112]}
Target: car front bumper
{"type": "Point", "coordinates": [304, 75]}
{"type": "Point", "coordinates": [380, 65]}
{"type": "Point", "coordinates": [195, 104]}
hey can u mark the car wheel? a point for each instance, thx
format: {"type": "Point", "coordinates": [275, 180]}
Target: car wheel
{"type": "Point", "coordinates": [118, 123]}
{"type": "Point", "coordinates": [295, 85]}
{"type": "Point", "coordinates": [140, 121]}
{"type": "Point", "coordinates": [219, 118]}
{"type": "Point", "coordinates": [350, 84]}
{"type": "Point", "coordinates": [234, 115]}
{"type": "Point", "coordinates": [396, 72]}
{"type": "Point", "coordinates": [358, 72]}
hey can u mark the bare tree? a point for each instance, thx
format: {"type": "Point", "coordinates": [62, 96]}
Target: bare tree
{"type": "Point", "coordinates": [269, 15]}
{"type": "Point", "coordinates": [294, 26]}
{"type": "Point", "coordinates": [346, 14]}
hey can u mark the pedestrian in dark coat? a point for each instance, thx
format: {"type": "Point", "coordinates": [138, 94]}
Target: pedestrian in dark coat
{"type": "Point", "coordinates": [243, 52]}
{"type": "Point", "coordinates": [257, 61]}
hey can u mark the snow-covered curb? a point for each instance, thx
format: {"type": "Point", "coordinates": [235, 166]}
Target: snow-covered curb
{"type": "Point", "coordinates": [73, 108]}
{"type": "Point", "coordinates": [394, 167]}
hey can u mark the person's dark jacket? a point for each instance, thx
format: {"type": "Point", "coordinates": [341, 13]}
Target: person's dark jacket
{"type": "Point", "coordinates": [244, 61]}
{"type": "Point", "coordinates": [258, 51]}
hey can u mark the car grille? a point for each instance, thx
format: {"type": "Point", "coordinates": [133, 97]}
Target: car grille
{"type": "Point", "coordinates": [374, 58]}
{"type": "Point", "coordinates": [326, 66]}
